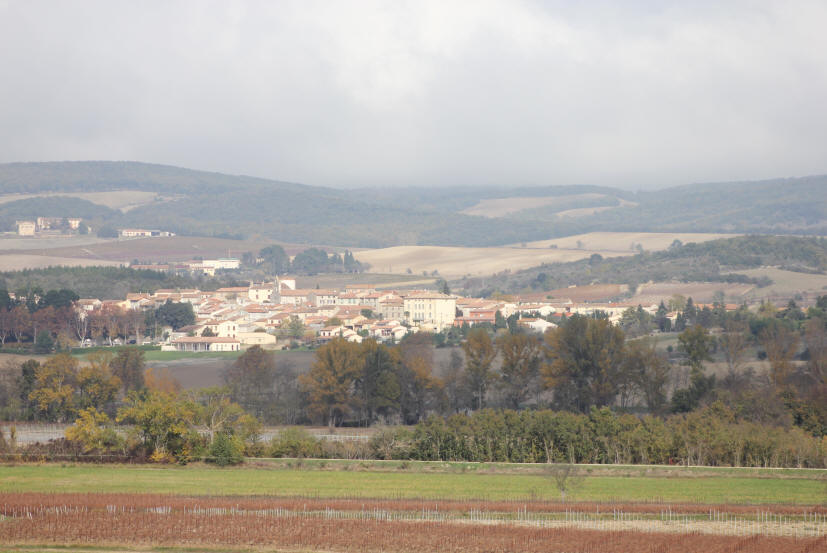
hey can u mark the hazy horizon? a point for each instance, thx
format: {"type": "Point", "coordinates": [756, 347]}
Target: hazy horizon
{"type": "Point", "coordinates": [636, 96]}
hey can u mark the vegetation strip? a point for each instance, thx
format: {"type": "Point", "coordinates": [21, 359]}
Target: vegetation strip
{"type": "Point", "coordinates": [202, 480]}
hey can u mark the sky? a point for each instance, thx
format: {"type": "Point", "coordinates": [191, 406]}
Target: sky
{"type": "Point", "coordinates": [359, 93]}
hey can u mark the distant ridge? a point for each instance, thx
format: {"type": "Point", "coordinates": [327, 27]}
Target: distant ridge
{"type": "Point", "coordinates": [216, 204]}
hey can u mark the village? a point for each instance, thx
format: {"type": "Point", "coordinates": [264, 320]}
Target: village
{"type": "Point", "coordinates": [277, 315]}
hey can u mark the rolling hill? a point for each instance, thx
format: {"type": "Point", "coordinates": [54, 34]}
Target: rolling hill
{"type": "Point", "coordinates": [232, 206]}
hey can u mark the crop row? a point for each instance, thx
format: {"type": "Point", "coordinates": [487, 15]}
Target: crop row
{"type": "Point", "coordinates": [194, 528]}
{"type": "Point", "coordinates": [23, 500]}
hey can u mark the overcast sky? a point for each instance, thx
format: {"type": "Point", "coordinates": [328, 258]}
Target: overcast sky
{"type": "Point", "coordinates": [631, 94]}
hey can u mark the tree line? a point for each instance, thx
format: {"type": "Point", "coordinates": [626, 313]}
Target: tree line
{"type": "Point", "coordinates": [274, 260]}
{"type": "Point", "coordinates": [52, 320]}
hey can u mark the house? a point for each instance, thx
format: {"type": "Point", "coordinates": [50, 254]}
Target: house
{"type": "Point", "coordinates": [261, 293]}
{"type": "Point", "coordinates": [203, 343]}
{"type": "Point", "coordinates": [294, 297]}
{"type": "Point", "coordinates": [224, 264]}
{"type": "Point", "coordinates": [89, 304]}
{"type": "Point", "coordinates": [329, 332]}
{"type": "Point", "coordinates": [434, 308]}
{"type": "Point", "coordinates": [288, 283]}
{"type": "Point", "coordinates": [477, 316]}
{"type": "Point", "coordinates": [536, 325]}
{"type": "Point", "coordinates": [143, 233]}
{"type": "Point", "coordinates": [26, 228]}
{"type": "Point", "coordinates": [392, 307]}
{"type": "Point", "coordinates": [256, 339]}
{"type": "Point", "coordinates": [323, 297]}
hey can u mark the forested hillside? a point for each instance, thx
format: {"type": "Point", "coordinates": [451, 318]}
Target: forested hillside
{"type": "Point", "coordinates": [213, 204]}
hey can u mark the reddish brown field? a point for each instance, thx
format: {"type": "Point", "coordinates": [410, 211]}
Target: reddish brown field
{"type": "Point", "coordinates": [142, 528]}
{"type": "Point", "coordinates": [93, 501]}
{"type": "Point", "coordinates": [336, 525]}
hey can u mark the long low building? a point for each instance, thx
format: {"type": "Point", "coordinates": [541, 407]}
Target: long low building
{"type": "Point", "coordinates": [204, 343]}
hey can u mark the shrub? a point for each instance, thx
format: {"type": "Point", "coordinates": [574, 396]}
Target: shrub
{"type": "Point", "coordinates": [226, 450]}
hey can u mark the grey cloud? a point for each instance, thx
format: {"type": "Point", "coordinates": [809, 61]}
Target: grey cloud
{"type": "Point", "coordinates": [432, 93]}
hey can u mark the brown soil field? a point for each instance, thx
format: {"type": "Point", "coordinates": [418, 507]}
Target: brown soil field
{"type": "Point", "coordinates": [116, 199]}
{"type": "Point", "coordinates": [174, 248]}
{"type": "Point", "coordinates": [625, 242]}
{"type": "Point", "coordinates": [130, 520]}
{"type": "Point", "coordinates": [455, 262]}
{"type": "Point", "coordinates": [500, 207]}
{"type": "Point", "coordinates": [12, 243]}
{"type": "Point", "coordinates": [18, 262]}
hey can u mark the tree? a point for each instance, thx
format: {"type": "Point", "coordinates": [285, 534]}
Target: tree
{"type": "Point", "coordinates": [161, 380]}
{"type": "Point", "coordinates": [275, 258]}
{"type": "Point", "coordinates": [107, 231]}
{"type": "Point", "coordinates": [175, 314]}
{"type": "Point", "coordinates": [584, 358]}
{"type": "Point", "coordinates": [93, 430]}
{"type": "Point", "coordinates": [97, 386]}
{"type": "Point", "coordinates": [79, 322]}
{"type": "Point", "coordinates": [44, 342]}
{"type": "Point", "coordinates": [566, 477]}
{"type": "Point", "coordinates": [128, 365]}
{"type": "Point", "coordinates": [456, 393]}
{"type": "Point", "coordinates": [163, 421]}
{"type": "Point", "coordinates": [54, 389]}
{"type": "Point", "coordinates": [58, 299]}
{"type": "Point", "coordinates": [218, 414]}
{"type": "Point", "coordinates": [696, 344]}
{"type": "Point", "coordinates": [733, 342]}
{"type": "Point", "coordinates": [781, 345]}
{"type": "Point", "coordinates": [521, 358]}
{"type": "Point", "coordinates": [330, 384]}
{"type": "Point", "coordinates": [649, 372]}
{"type": "Point", "coordinates": [20, 321]}
{"type": "Point", "coordinates": [295, 327]}
{"type": "Point", "coordinates": [479, 355]}
{"type": "Point", "coordinates": [251, 381]}
{"type": "Point", "coordinates": [379, 382]}
{"type": "Point", "coordinates": [311, 261]}
{"type": "Point", "coordinates": [5, 325]}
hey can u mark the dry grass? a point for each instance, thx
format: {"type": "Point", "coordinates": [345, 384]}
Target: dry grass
{"type": "Point", "coordinates": [700, 292]}
{"type": "Point", "coordinates": [454, 262]}
{"type": "Point", "coordinates": [625, 242]}
{"type": "Point", "coordinates": [500, 207]}
{"type": "Point", "coordinates": [786, 282]}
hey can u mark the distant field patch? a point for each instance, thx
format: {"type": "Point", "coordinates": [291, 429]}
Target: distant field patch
{"type": "Point", "coordinates": [500, 207]}
{"type": "Point", "coordinates": [626, 242]}
{"type": "Point", "coordinates": [18, 262]}
{"type": "Point", "coordinates": [593, 292]}
{"type": "Point", "coordinates": [123, 200]}
{"type": "Point", "coordinates": [585, 211]}
{"type": "Point", "coordinates": [700, 292]}
{"type": "Point", "coordinates": [786, 282]}
{"type": "Point", "coordinates": [455, 262]}
{"type": "Point", "coordinates": [175, 248]}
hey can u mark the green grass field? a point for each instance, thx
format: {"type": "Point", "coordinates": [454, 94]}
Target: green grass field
{"type": "Point", "coordinates": [723, 487]}
{"type": "Point", "coordinates": [158, 355]}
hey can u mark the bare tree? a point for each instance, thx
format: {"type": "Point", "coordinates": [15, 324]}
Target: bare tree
{"type": "Point", "coordinates": [566, 477]}
{"type": "Point", "coordinates": [734, 344]}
